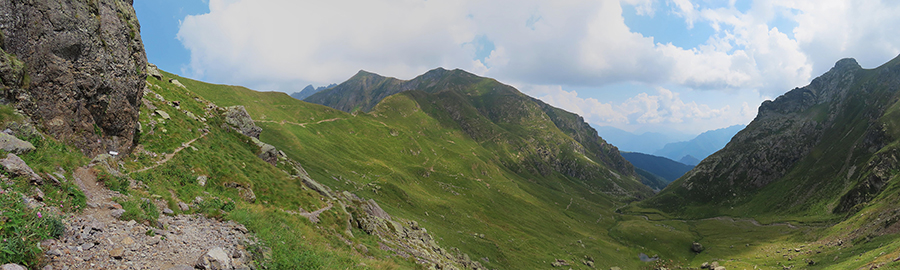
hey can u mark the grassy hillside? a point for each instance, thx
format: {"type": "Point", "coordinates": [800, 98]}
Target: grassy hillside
{"type": "Point", "coordinates": [420, 164]}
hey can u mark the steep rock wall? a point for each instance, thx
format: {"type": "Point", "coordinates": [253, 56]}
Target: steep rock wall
{"type": "Point", "coordinates": [76, 67]}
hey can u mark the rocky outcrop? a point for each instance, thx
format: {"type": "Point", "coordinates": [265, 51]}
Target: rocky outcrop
{"type": "Point", "coordinates": [238, 118]}
{"type": "Point", "coordinates": [403, 237]}
{"type": "Point", "coordinates": [17, 167]}
{"type": "Point", "coordinates": [825, 141]}
{"type": "Point", "coordinates": [153, 71]}
{"type": "Point", "coordinates": [75, 67]}
{"type": "Point", "coordinates": [13, 145]}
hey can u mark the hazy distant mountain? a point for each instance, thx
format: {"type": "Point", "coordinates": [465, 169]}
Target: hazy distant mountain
{"type": "Point", "coordinates": [309, 90]}
{"type": "Point", "coordinates": [702, 146]}
{"type": "Point", "coordinates": [647, 142]}
{"type": "Point", "coordinates": [689, 160]}
{"type": "Point", "coordinates": [666, 168]}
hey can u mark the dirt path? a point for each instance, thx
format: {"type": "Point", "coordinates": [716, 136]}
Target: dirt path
{"type": "Point", "coordinates": [169, 156]}
{"type": "Point", "coordinates": [97, 239]}
{"type": "Point", "coordinates": [314, 215]}
{"type": "Point", "coordinates": [753, 221]}
{"type": "Point", "coordinates": [282, 122]}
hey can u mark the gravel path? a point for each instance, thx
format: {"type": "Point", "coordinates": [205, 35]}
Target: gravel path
{"type": "Point", "coordinates": [94, 239]}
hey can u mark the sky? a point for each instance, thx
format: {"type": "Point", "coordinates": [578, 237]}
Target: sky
{"type": "Point", "coordinates": [682, 66]}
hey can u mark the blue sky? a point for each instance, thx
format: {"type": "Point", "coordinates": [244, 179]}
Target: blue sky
{"type": "Point", "coordinates": [638, 65]}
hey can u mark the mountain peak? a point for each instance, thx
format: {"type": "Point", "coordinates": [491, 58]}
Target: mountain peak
{"type": "Point", "coordinates": [846, 64]}
{"type": "Point", "coordinates": [363, 73]}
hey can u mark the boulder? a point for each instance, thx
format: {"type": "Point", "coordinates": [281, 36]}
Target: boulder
{"type": "Point", "coordinates": [38, 194]}
{"type": "Point", "coordinates": [244, 191]}
{"type": "Point", "coordinates": [238, 117]}
{"type": "Point", "coordinates": [696, 247]}
{"type": "Point", "coordinates": [10, 143]}
{"type": "Point", "coordinates": [214, 259]}
{"type": "Point", "coordinates": [201, 180]}
{"type": "Point", "coordinates": [117, 253]}
{"type": "Point", "coordinates": [559, 262]}
{"type": "Point", "coordinates": [17, 167]}
{"type": "Point", "coordinates": [183, 206]}
{"type": "Point", "coordinates": [268, 153]}
{"type": "Point", "coordinates": [78, 68]}
{"type": "Point", "coordinates": [12, 266]}
{"type": "Point", "coordinates": [247, 194]}
{"type": "Point", "coordinates": [163, 114]}
{"type": "Point", "coordinates": [177, 83]}
{"type": "Point", "coordinates": [152, 70]}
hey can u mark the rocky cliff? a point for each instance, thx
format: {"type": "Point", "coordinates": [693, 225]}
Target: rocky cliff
{"type": "Point", "coordinates": [77, 68]}
{"type": "Point", "coordinates": [815, 148]}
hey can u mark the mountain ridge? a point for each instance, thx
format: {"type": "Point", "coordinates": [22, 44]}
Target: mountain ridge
{"type": "Point", "coordinates": [828, 141]}
{"type": "Point", "coordinates": [504, 109]}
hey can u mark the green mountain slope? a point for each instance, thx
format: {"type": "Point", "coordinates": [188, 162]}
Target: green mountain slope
{"type": "Point", "coordinates": [501, 182]}
{"type": "Point", "coordinates": [819, 152]}
{"type": "Point", "coordinates": [500, 118]}
{"type": "Point", "coordinates": [411, 156]}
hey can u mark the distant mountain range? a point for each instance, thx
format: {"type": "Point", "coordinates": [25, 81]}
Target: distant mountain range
{"type": "Point", "coordinates": [668, 169]}
{"type": "Point", "coordinates": [647, 142]}
{"type": "Point", "coordinates": [309, 90]}
{"type": "Point", "coordinates": [700, 147]}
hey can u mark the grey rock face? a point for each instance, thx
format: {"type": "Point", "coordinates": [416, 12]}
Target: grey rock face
{"type": "Point", "coordinates": [77, 68]}
{"type": "Point", "coordinates": [789, 128]}
{"type": "Point", "coordinates": [12, 144]}
{"type": "Point", "coordinates": [238, 117]}
{"type": "Point", "coordinates": [17, 167]}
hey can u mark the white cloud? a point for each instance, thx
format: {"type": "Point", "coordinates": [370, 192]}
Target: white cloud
{"type": "Point", "coordinates": [664, 108]}
{"type": "Point", "coordinates": [572, 42]}
{"type": "Point", "coordinates": [284, 44]}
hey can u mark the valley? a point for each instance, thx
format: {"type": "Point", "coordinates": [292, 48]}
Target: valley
{"type": "Point", "coordinates": [112, 163]}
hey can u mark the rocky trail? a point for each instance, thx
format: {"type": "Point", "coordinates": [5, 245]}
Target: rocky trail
{"type": "Point", "coordinates": [97, 239]}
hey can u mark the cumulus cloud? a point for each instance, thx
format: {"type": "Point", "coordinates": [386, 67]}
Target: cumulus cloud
{"type": "Point", "coordinates": [664, 108]}
{"type": "Point", "coordinates": [284, 44]}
